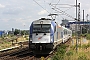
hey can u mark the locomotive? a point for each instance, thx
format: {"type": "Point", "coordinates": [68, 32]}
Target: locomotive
{"type": "Point", "coordinates": [46, 34]}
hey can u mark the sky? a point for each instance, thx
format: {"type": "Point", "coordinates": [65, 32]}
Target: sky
{"type": "Point", "coordinates": [19, 14]}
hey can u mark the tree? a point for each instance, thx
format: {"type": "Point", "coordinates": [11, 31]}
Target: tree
{"type": "Point", "coordinates": [17, 31]}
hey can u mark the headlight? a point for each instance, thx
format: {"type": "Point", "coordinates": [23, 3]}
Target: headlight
{"type": "Point", "coordinates": [51, 41]}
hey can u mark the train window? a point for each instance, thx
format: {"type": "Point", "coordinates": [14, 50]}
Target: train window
{"type": "Point", "coordinates": [64, 32]}
{"type": "Point", "coordinates": [61, 34]}
{"type": "Point", "coordinates": [41, 28]}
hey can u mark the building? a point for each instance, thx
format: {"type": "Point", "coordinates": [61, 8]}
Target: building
{"type": "Point", "coordinates": [1, 33]}
{"type": "Point", "coordinates": [81, 26]}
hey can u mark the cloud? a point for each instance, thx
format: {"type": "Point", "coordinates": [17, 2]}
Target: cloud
{"type": "Point", "coordinates": [89, 10]}
{"type": "Point", "coordinates": [13, 11]}
{"type": "Point", "coordinates": [4, 20]}
{"type": "Point", "coordinates": [43, 12]}
{"type": "Point", "coordinates": [2, 6]}
{"type": "Point", "coordinates": [22, 21]}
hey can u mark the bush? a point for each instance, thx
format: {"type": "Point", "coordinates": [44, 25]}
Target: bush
{"type": "Point", "coordinates": [82, 57]}
{"type": "Point", "coordinates": [88, 36]}
{"type": "Point", "coordinates": [85, 46]}
{"type": "Point", "coordinates": [73, 47]}
{"type": "Point", "coordinates": [73, 34]}
{"type": "Point", "coordinates": [88, 45]}
{"type": "Point", "coordinates": [79, 46]}
{"type": "Point", "coordinates": [61, 50]}
{"type": "Point", "coordinates": [27, 38]}
{"type": "Point", "coordinates": [63, 46]}
{"type": "Point", "coordinates": [69, 53]}
{"type": "Point", "coordinates": [55, 57]}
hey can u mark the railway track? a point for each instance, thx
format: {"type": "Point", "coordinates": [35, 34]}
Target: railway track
{"type": "Point", "coordinates": [13, 50]}
{"type": "Point", "coordinates": [25, 54]}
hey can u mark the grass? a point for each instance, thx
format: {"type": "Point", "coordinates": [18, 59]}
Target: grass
{"type": "Point", "coordinates": [83, 52]}
{"type": "Point", "coordinates": [88, 36]}
{"type": "Point", "coordinates": [60, 53]}
{"type": "Point", "coordinates": [5, 43]}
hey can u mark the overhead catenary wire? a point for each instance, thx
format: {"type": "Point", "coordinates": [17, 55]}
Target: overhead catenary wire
{"type": "Point", "coordinates": [57, 3]}
{"type": "Point", "coordinates": [56, 9]}
{"type": "Point", "coordinates": [60, 11]}
{"type": "Point", "coordinates": [68, 8]}
{"type": "Point", "coordinates": [41, 6]}
{"type": "Point", "coordinates": [65, 4]}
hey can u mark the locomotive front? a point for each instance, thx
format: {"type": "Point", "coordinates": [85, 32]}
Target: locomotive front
{"type": "Point", "coordinates": [41, 38]}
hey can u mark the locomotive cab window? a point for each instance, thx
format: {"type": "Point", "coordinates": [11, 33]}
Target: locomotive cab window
{"type": "Point", "coordinates": [41, 28]}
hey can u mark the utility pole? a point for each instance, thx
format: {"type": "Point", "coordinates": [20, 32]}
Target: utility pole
{"type": "Point", "coordinates": [83, 22]}
{"type": "Point", "coordinates": [76, 28]}
{"type": "Point", "coordinates": [79, 13]}
{"type": "Point", "coordinates": [78, 19]}
{"type": "Point", "coordinates": [79, 26]}
{"type": "Point", "coordinates": [83, 15]}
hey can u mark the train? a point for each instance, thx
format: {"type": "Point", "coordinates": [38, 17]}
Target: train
{"type": "Point", "coordinates": [46, 34]}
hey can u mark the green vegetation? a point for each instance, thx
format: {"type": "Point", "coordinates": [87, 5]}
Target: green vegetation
{"type": "Point", "coordinates": [73, 34]}
{"type": "Point", "coordinates": [88, 36]}
{"type": "Point", "coordinates": [14, 36]}
{"type": "Point", "coordinates": [84, 35]}
{"type": "Point", "coordinates": [21, 32]}
{"type": "Point", "coordinates": [82, 57]}
{"type": "Point", "coordinates": [60, 53]}
{"type": "Point", "coordinates": [6, 42]}
{"type": "Point", "coordinates": [85, 46]}
{"type": "Point", "coordinates": [69, 53]}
